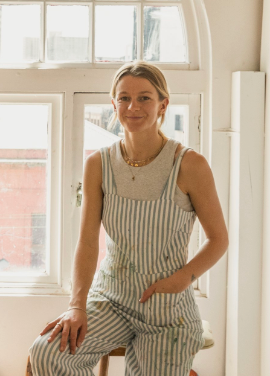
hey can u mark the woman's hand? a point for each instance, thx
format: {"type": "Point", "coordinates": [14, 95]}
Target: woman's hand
{"type": "Point", "coordinates": [168, 285]}
{"type": "Point", "coordinates": [73, 325]}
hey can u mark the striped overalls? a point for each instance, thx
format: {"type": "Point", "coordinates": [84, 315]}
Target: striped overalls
{"type": "Point", "coordinates": [146, 241]}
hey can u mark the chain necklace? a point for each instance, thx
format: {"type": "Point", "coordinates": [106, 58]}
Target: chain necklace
{"type": "Point", "coordinates": [134, 163]}
{"type": "Point", "coordinates": [133, 176]}
{"type": "Point", "coordinates": [130, 169]}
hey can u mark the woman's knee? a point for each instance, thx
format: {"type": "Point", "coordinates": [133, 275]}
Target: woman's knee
{"type": "Point", "coordinates": [36, 350]}
{"type": "Point", "coordinates": [39, 354]}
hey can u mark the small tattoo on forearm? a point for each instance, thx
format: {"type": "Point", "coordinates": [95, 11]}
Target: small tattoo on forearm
{"type": "Point", "coordinates": [193, 278]}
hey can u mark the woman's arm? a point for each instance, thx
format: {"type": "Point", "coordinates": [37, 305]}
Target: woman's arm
{"type": "Point", "coordinates": [196, 179]}
{"type": "Point", "coordinates": [74, 322]}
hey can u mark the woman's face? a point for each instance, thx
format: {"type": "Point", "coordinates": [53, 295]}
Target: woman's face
{"type": "Point", "coordinates": [137, 104]}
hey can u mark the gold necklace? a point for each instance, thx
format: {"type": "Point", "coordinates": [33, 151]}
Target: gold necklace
{"type": "Point", "coordinates": [144, 161]}
{"type": "Point", "coordinates": [133, 176]}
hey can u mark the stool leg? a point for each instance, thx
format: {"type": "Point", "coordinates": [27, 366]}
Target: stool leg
{"type": "Point", "coordinates": [193, 373]}
{"type": "Point", "coordinates": [104, 365]}
{"type": "Point", "coordinates": [28, 368]}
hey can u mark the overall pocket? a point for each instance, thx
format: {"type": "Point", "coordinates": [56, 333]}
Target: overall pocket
{"type": "Point", "coordinates": [164, 309]}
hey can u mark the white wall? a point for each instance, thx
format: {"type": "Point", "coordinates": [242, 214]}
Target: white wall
{"type": "Point", "coordinates": [245, 225]}
{"type": "Point", "coordinates": [235, 28]}
{"type": "Point", "coordinates": [265, 308]}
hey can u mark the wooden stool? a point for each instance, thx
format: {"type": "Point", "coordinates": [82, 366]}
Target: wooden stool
{"type": "Point", "coordinates": [120, 351]}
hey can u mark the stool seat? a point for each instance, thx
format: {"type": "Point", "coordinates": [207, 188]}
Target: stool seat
{"type": "Point", "coordinates": [207, 335]}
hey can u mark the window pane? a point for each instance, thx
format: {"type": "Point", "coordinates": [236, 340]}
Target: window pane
{"type": "Point", "coordinates": [23, 161]}
{"type": "Point", "coordinates": [19, 33]}
{"type": "Point", "coordinates": [164, 38]}
{"type": "Point", "coordinates": [116, 33]}
{"type": "Point", "coordinates": [176, 123]}
{"type": "Point", "coordinates": [67, 32]}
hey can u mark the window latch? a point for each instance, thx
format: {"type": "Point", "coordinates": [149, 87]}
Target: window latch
{"type": "Point", "coordinates": [79, 195]}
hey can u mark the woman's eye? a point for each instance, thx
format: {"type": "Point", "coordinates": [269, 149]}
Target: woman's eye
{"type": "Point", "coordinates": [123, 98]}
{"type": "Point", "coordinates": [144, 98]}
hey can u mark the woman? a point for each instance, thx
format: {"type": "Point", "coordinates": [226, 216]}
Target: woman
{"type": "Point", "coordinates": [143, 296]}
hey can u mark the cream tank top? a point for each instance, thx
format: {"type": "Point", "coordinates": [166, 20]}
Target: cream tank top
{"type": "Point", "coordinates": [150, 179]}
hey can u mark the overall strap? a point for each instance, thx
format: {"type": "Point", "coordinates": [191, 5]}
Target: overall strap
{"type": "Point", "coordinates": [169, 189]}
{"type": "Point", "coordinates": [108, 182]}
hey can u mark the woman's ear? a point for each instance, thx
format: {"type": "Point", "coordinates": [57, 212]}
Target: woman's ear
{"type": "Point", "coordinates": [114, 106]}
{"type": "Point", "coordinates": [164, 106]}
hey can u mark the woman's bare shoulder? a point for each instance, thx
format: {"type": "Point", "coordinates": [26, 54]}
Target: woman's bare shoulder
{"type": "Point", "coordinates": [191, 158]}
{"type": "Point", "coordinates": [93, 162]}
{"type": "Point", "coordinates": [94, 158]}
{"type": "Point", "coordinates": [194, 166]}
{"type": "Point", "coordinates": [93, 166]}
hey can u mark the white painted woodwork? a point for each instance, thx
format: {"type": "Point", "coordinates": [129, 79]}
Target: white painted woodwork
{"type": "Point", "coordinates": [245, 225]}
{"type": "Point", "coordinates": [265, 296]}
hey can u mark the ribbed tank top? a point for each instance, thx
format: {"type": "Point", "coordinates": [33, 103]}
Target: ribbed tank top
{"type": "Point", "coordinates": [150, 179]}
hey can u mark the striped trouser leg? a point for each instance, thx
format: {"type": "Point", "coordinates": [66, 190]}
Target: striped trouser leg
{"type": "Point", "coordinates": [168, 351]}
{"type": "Point", "coordinates": [106, 330]}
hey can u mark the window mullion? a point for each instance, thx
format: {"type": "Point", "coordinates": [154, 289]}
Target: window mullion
{"type": "Point", "coordinates": [141, 30]}
{"type": "Point", "coordinates": [92, 32]}
{"type": "Point", "coordinates": [44, 31]}
{"type": "Point", "coordinates": [41, 48]}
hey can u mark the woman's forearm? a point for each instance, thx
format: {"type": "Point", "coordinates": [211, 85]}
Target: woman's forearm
{"type": "Point", "coordinates": [209, 253]}
{"type": "Point", "coordinates": [84, 267]}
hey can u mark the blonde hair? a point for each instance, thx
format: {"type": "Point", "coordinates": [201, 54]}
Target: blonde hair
{"type": "Point", "coordinates": [141, 69]}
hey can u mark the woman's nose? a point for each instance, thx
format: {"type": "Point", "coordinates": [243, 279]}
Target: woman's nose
{"type": "Point", "coordinates": [134, 105]}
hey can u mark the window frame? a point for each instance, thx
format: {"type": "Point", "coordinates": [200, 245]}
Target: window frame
{"type": "Point", "coordinates": [51, 280]}
{"type": "Point", "coordinates": [187, 14]}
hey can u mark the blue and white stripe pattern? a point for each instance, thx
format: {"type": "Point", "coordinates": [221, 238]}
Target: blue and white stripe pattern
{"type": "Point", "coordinates": [146, 241]}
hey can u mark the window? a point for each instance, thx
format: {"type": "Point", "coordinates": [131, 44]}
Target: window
{"type": "Point", "coordinates": [23, 182]}
{"type": "Point", "coordinates": [118, 40]}
{"type": "Point", "coordinates": [164, 38]}
{"type": "Point", "coordinates": [30, 180]}
{"type": "Point", "coordinates": [92, 32]}
{"type": "Point", "coordinates": [67, 37]}
{"type": "Point", "coordinates": [20, 43]}
{"type": "Point", "coordinates": [51, 226]}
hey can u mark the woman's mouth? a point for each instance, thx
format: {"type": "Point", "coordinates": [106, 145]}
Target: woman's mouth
{"type": "Point", "coordinates": [134, 117]}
